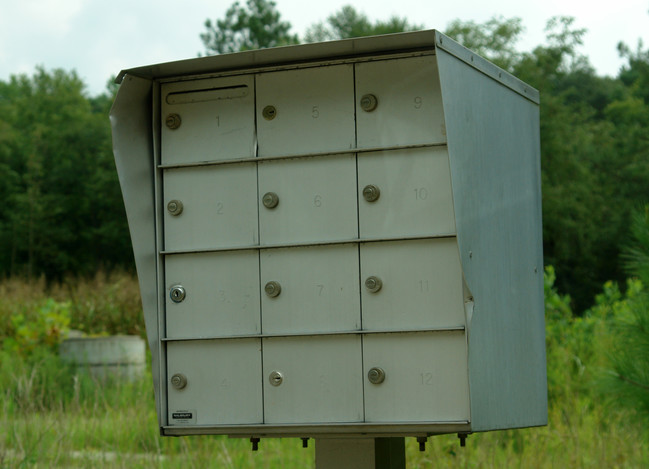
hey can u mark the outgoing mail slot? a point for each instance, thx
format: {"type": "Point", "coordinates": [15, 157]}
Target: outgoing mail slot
{"type": "Point", "coordinates": [313, 379]}
{"type": "Point", "coordinates": [218, 207]}
{"type": "Point", "coordinates": [319, 289]}
{"type": "Point", "coordinates": [408, 102]}
{"type": "Point", "coordinates": [425, 377]}
{"type": "Point", "coordinates": [217, 390]}
{"type": "Point", "coordinates": [421, 285]}
{"type": "Point", "coordinates": [220, 294]}
{"type": "Point", "coordinates": [316, 199]}
{"type": "Point", "coordinates": [306, 111]}
{"type": "Point", "coordinates": [215, 120]}
{"type": "Point", "coordinates": [415, 193]}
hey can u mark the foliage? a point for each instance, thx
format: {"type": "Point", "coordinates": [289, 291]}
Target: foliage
{"type": "Point", "coordinates": [256, 26]}
{"type": "Point", "coordinates": [627, 379]}
{"type": "Point", "coordinates": [45, 326]}
{"type": "Point", "coordinates": [33, 313]}
{"type": "Point", "coordinates": [62, 210]}
{"type": "Point", "coordinates": [50, 416]}
{"type": "Point", "coordinates": [494, 40]}
{"type": "Point", "coordinates": [349, 23]}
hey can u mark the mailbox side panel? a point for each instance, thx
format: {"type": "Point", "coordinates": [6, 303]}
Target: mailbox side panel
{"type": "Point", "coordinates": [494, 151]}
{"type": "Point", "coordinates": [131, 124]}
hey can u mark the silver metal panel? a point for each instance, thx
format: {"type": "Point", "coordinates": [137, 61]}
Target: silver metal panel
{"type": "Point", "coordinates": [317, 199]}
{"type": "Point", "coordinates": [319, 289]}
{"type": "Point", "coordinates": [316, 104]}
{"type": "Point", "coordinates": [217, 120]}
{"type": "Point", "coordinates": [409, 109]}
{"type": "Point", "coordinates": [219, 207]}
{"type": "Point", "coordinates": [497, 194]}
{"type": "Point", "coordinates": [425, 377]}
{"type": "Point", "coordinates": [415, 198]}
{"type": "Point", "coordinates": [356, 47]}
{"type": "Point", "coordinates": [322, 380]}
{"type": "Point", "coordinates": [221, 294]}
{"type": "Point", "coordinates": [223, 382]}
{"type": "Point", "coordinates": [131, 123]}
{"type": "Point", "coordinates": [422, 285]}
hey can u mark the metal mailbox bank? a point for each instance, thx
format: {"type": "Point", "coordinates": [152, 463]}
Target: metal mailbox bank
{"type": "Point", "coordinates": [337, 239]}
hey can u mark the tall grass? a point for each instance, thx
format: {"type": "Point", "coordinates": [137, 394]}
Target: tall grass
{"type": "Point", "coordinates": [52, 416]}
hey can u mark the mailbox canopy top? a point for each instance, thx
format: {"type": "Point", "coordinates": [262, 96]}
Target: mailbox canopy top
{"type": "Point", "coordinates": [333, 50]}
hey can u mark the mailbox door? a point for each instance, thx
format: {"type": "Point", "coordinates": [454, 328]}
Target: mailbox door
{"type": "Point", "coordinates": [319, 289]}
{"type": "Point", "coordinates": [320, 379]}
{"type": "Point", "coordinates": [216, 120]}
{"type": "Point", "coordinates": [219, 207]}
{"type": "Point", "coordinates": [421, 285]}
{"type": "Point", "coordinates": [223, 386]}
{"type": "Point", "coordinates": [221, 294]}
{"type": "Point", "coordinates": [316, 200]}
{"type": "Point", "coordinates": [426, 377]}
{"type": "Point", "coordinates": [305, 111]}
{"type": "Point", "coordinates": [408, 102]}
{"type": "Point", "coordinates": [415, 195]}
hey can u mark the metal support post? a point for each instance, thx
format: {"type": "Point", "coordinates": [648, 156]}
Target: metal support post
{"type": "Point", "coordinates": [360, 453]}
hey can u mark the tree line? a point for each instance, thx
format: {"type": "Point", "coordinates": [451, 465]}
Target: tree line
{"type": "Point", "coordinates": [62, 211]}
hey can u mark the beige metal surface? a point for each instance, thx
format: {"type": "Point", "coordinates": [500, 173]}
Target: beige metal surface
{"type": "Point", "coordinates": [426, 377]}
{"type": "Point", "coordinates": [222, 294]}
{"type": "Point", "coordinates": [219, 207]}
{"type": "Point", "coordinates": [422, 285]}
{"type": "Point", "coordinates": [316, 104]}
{"type": "Point", "coordinates": [223, 382]}
{"type": "Point", "coordinates": [320, 290]}
{"type": "Point", "coordinates": [409, 106]}
{"type": "Point", "coordinates": [416, 197]}
{"type": "Point", "coordinates": [217, 120]}
{"type": "Point", "coordinates": [323, 379]}
{"type": "Point", "coordinates": [317, 199]}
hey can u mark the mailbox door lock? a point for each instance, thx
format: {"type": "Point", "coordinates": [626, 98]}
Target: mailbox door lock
{"type": "Point", "coordinates": [179, 381]}
{"type": "Point", "coordinates": [173, 121]}
{"type": "Point", "coordinates": [371, 193]}
{"type": "Point", "coordinates": [273, 289]}
{"type": "Point", "coordinates": [276, 378]}
{"type": "Point", "coordinates": [373, 284]}
{"type": "Point", "coordinates": [270, 200]}
{"type": "Point", "coordinates": [369, 102]}
{"type": "Point", "coordinates": [175, 207]}
{"type": "Point", "coordinates": [177, 293]}
{"type": "Point", "coordinates": [376, 375]}
{"type": "Point", "coordinates": [269, 113]}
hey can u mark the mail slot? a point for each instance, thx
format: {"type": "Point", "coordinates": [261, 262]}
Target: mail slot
{"type": "Point", "coordinates": [215, 120]}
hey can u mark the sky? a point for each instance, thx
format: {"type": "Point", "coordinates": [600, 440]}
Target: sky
{"type": "Point", "coordinates": [99, 38]}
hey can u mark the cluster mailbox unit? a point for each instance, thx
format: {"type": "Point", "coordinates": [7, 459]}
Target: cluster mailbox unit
{"type": "Point", "coordinates": [339, 238]}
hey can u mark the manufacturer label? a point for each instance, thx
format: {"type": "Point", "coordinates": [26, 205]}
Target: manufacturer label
{"type": "Point", "coordinates": [180, 417]}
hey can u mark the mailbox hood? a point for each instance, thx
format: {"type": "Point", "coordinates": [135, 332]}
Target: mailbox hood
{"type": "Point", "coordinates": [326, 51]}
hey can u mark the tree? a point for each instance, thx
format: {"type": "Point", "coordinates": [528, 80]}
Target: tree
{"type": "Point", "coordinates": [627, 381]}
{"type": "Point", "coordinates": [348, 23]}
{"type": "Point", "coordinates": [62, 210]}
{"type": "Point", "coordinates": [258, 25]}
{"type": "Point", "coordinates": [494, 40]}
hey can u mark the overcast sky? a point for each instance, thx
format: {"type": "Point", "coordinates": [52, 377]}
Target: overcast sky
{"type": "Point", "coordinates": [99, 38]}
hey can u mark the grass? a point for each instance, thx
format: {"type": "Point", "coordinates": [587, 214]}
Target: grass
{"type": "Point", "coordinates": [51, 417]}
